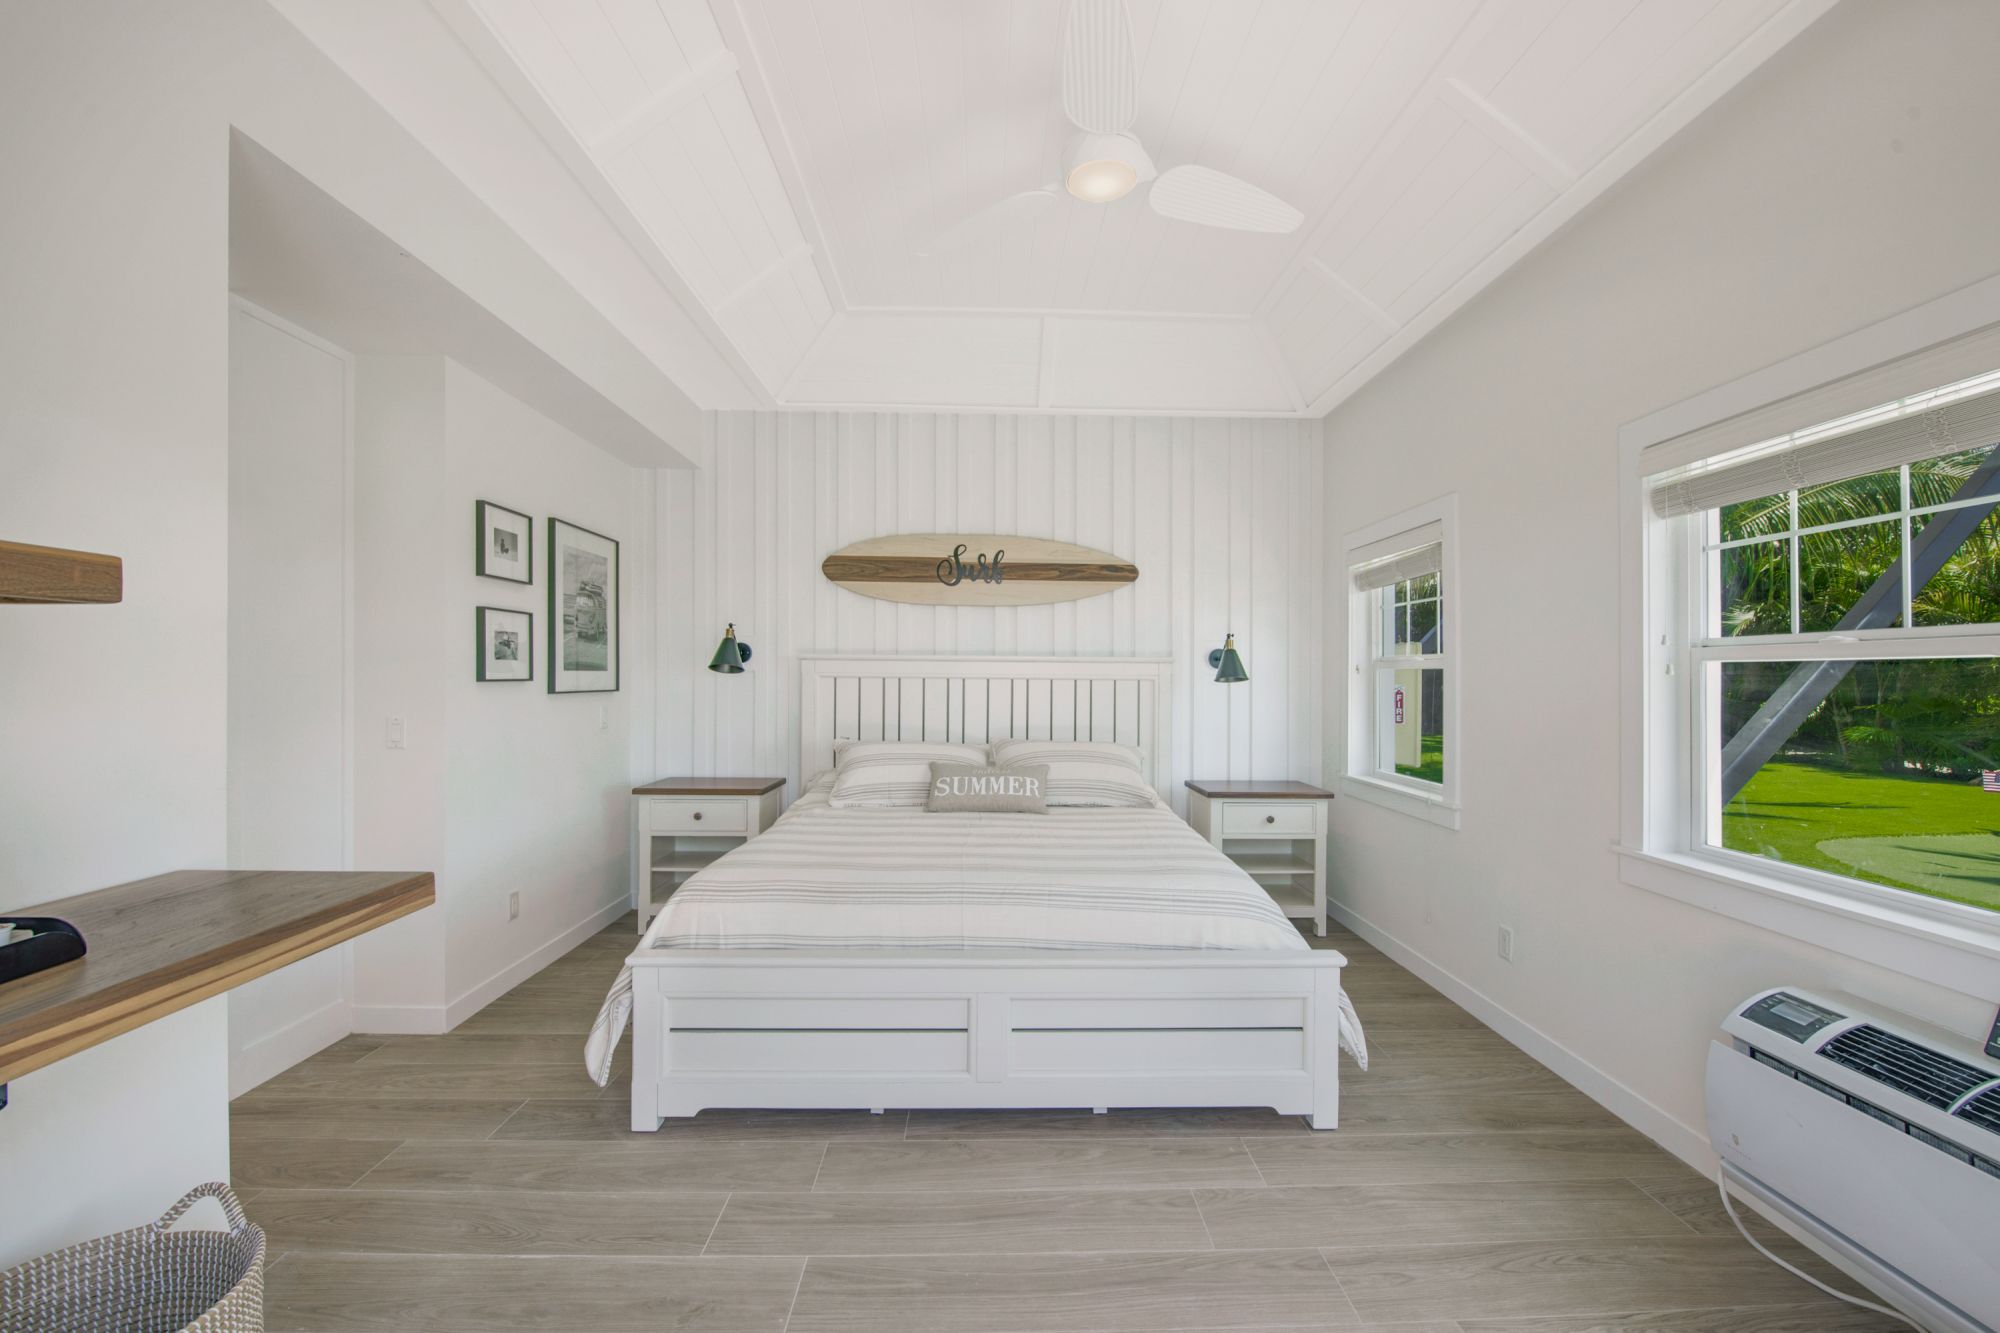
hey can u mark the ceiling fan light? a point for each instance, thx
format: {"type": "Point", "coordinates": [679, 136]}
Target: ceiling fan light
{"type": "Point", "coordinates": [1099, 168]}
{"type": "Point", "coordinates": [1101, 181]}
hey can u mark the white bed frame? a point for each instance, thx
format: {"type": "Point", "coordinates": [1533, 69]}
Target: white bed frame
{"type": "Point", "coordinates": [799, 1028]}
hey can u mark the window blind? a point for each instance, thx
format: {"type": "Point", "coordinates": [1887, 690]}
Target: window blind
{"type": "Point", "coordinates": [1396, 568]}
{"type": "Point", "coordinates": [1942, 422]}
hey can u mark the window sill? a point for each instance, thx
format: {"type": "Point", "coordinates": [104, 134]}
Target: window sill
{"type": "Point", "coordinates": [1932, 947]}
{"type": "Point", "coordinates": [1393, 796]}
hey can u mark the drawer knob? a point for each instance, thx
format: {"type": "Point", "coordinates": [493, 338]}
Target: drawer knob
{"type": "Point", "coordinates": [697, 815]}
{"type": "Point", "coordinates": [1268, 819]}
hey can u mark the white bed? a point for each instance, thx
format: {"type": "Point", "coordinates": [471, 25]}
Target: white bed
{"type": "Point", "coordinates": [893, 958]}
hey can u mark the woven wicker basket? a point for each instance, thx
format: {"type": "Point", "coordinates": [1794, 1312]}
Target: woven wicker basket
{"type": "Point", "coordinates": [151, 1279]}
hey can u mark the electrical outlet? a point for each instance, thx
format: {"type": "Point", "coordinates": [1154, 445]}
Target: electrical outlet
{"type": "Point", "coordinates": [514, 907]}
{"type": "Point", "coordinates": [1507, 944]}
{"type": "Point", "coordinates": [392, 734]}
{"type": "Point", "coordinates": [604, 717]}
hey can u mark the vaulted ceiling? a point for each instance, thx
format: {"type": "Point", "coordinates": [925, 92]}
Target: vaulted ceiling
{"type": "Point", "coordinates": [785, 166]}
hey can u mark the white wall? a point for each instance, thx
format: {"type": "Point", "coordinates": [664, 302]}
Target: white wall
{"type": "Point", "coordinates": [288, 662]}
{"type": "Point", "coordinates": [1835, 187]}
{"type": "Point", "coordinates": [1221, 517]}
{"type": "Point", "coordinates": [537, 785]}
{"type": "Point", "coordinates": [404, 538]}
{"type": "Point", "coordinates": [502, 787]}
{"type": "Point", "coordinates": [110, 1137]}
{"type": "Point", "coordinates": [114, 437]}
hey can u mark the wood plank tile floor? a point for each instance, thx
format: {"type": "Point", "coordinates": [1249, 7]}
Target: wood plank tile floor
{"type": "Point", "coordinates": [479, 1182]}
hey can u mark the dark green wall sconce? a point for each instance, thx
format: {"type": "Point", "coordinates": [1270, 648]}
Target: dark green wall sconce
{"type": "Point", "coordinates": [730, 655]}
{"type": "Point", "coordinates": [1228, 663]}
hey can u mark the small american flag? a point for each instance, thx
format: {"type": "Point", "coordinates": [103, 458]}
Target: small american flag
{"type": "Point", "coordinates": [1989, 779]}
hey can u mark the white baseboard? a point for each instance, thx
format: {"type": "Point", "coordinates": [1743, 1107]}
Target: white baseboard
{"type": "Point", "coordinates": [429, 1020]}
{"type": "Point", "coordinates": [275, 1052]}
{"type": "Point", "coordinates": [471, 1001]}
{"type": "Point", "coordinates": [432, 1019]}
{"type": "Point", "coordinates": [1677, 1137]}
{"type": "Point", "coordinates": [399, 1020]}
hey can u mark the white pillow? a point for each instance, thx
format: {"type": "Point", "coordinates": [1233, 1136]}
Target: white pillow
{"type": "Point", "coordinates": [870, 774]}
{"type": "Point", "coordinates": [1083, 772]}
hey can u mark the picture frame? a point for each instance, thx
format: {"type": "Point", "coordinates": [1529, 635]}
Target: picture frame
{"type": "Point", "coordinates": [505, 641]}
{"type": "Point", "coordinates": [503, 543]}
{"type": "Point", "coordinates": [583, 610]}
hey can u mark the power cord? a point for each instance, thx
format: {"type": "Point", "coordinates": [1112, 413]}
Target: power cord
{"type": "Point", "coordinates": [1727, 1207]}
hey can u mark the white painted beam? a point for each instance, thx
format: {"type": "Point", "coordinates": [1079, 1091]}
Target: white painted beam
{"type": "Point", "coordinates": [782, 264]}
{"type": "Point", "coordinates": [619, 136]}
{"type": "Point", "coordinates": [1353, 294]}
{"type": "Point", "coordinates": [731, 23]}
{"type": "Point", "coordinates": [1508, 134]}
{"type": "Point", "coordinates": [1703, 93]}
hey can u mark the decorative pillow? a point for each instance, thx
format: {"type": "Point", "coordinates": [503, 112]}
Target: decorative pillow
{"type": "Point", "coordinates": [892, 773]}
{"type": "Point", "coordinates": [1004, 791]}
{"type": "Point", "coordinates": [1083, 772]}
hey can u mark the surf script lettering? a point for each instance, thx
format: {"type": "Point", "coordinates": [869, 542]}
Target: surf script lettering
{"type": "Point", "coordinates": [952, 570]}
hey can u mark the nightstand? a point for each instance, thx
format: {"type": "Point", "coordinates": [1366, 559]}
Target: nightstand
{"type": "Point", "coordinates": [681, 825]}
{"type": "Point", "coordinates": [1276, 831]}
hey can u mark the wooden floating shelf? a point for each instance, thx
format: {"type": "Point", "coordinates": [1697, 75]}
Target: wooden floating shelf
{"type": "Point", "coordinates": [159, 945]}
{"type": "Point", "coordinates": [51, 575]}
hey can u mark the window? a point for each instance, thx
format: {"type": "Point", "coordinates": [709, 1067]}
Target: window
{"type": "Point", "coordinates": [1829, 606]}
{"type": "Point", "coordinates": [1402, 685]}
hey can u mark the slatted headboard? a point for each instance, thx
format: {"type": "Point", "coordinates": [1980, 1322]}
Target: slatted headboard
{"type": "Point", "coordinates": [977, 699]}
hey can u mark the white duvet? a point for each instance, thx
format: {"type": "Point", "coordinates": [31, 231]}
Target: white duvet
{"type": "Point", "coordinates": [1073, 879]}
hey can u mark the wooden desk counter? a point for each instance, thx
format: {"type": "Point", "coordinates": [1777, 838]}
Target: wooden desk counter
{"type": "Point", "coordinates": [161, 944]}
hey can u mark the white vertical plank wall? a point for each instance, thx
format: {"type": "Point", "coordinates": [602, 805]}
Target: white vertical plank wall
{"type": "Point", "coordinates": [1221, 516]}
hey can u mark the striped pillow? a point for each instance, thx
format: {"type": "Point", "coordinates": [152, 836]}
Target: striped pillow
{"type": "Point", "coordinates": [874, 774]}
{"type": "Point", "coordinates": [1083, 772]}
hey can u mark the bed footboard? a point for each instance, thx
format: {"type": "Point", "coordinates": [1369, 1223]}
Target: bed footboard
{"type": "Point", "coordinates": [798, 1030]}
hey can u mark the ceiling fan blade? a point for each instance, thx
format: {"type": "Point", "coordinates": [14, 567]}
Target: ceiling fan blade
{"type": "Point", "coordinates": [1216, 199]}
{"type": "Point", "coordinates": [1100, 81]}
{"type": "Point", "coordinates": [994, 220]}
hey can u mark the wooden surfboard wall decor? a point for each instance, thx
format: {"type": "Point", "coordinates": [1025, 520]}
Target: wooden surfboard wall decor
{"type": "Point", "coordinates": [975, 569]}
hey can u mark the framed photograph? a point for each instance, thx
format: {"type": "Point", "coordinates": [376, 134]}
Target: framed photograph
{"type": "Point", "coordinates": [583, 610]}
{"type": "Point", "coordinates": [506, 543]}
{"type": "Point", "coordinates": [506, 644]}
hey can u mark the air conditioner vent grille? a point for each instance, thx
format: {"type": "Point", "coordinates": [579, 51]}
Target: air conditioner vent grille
{"type": "Point", "coordinates": [1900, 1063]}
{"type": "Point", "coordinates": [1983, 1110]}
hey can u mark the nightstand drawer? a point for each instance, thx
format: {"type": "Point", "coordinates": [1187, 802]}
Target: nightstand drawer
{"type": "Point", "coordinates": [1243, 818]}
{"type": "Point", "coordinates": [696, 815]}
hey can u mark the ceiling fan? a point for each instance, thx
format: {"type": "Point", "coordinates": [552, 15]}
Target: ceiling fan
{"type": "Point", "coordinates": [1105, 161]}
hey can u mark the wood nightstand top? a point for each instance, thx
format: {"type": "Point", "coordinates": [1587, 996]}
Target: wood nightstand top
{"type": "Point", "coordinates": [709, 787]}
{"type": "Point", "coordinates": [1258, 790]}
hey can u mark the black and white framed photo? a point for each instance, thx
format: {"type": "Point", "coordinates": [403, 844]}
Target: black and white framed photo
{"type": "Point", "coordinates": [583, 610]}
{"type": "Point", "coordinates": [506, 644]}
{"type": "Point", "coordinates": [506, 543]}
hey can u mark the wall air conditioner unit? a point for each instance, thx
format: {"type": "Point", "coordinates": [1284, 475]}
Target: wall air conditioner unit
{"type": "Point", "coordinates": [1872, 1137]}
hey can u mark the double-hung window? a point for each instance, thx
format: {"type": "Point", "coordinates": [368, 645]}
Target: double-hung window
{"type": "Point", "coordinates": [1824, 624]}
{"type": "Point", "coordinates": [1402, 683]}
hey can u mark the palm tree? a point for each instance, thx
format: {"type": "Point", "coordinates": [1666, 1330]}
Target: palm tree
{"type": "Point", "coordinates": [1940, 716]}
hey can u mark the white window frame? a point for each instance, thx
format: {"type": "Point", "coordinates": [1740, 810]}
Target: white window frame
{"type": "Point", "coordinates": [1436, 802]}
{"type": "Point", "coordinates": [1663, 612]}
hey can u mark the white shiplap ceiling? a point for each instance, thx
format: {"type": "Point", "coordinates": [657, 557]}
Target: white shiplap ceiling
{"type": "Point", "coordinates": [783, 165]}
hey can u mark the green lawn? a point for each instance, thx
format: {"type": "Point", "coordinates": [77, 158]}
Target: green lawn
{"type": "Point", "coordinates": [1432, 767]}
{"type": "Point", "coordinates": [1928, 836]}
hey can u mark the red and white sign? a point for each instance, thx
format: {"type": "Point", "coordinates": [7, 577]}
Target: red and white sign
{"type": "Point", "coordinates": [1399, 706]}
